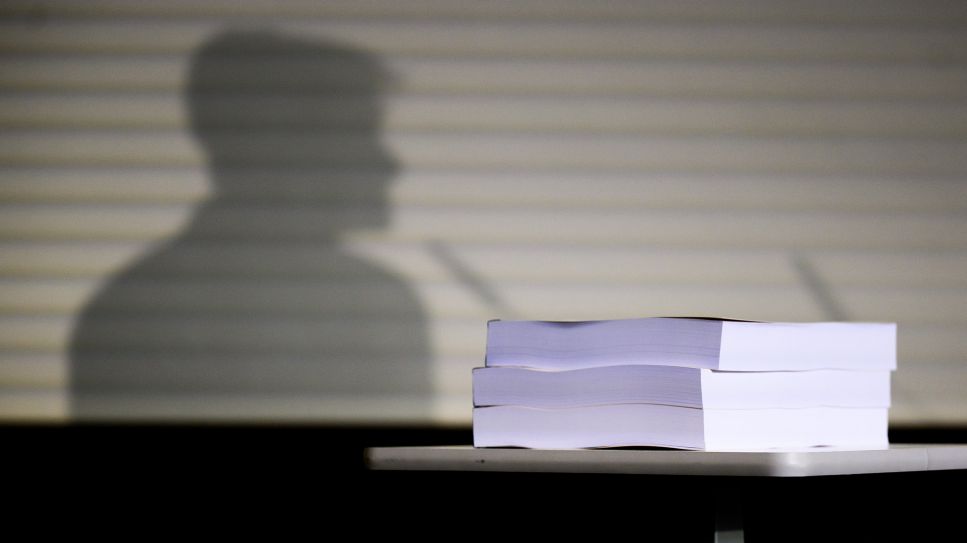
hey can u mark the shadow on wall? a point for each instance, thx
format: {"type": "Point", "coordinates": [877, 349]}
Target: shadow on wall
{"type": "Point", "coordinates": [254, 312]}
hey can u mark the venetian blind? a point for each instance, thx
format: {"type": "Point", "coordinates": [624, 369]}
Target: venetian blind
{"type": "Point", "coordinates": [227, 196]}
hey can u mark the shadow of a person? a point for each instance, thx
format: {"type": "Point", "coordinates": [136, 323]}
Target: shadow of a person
{"type": "Point", "coordinates": [253, 311]}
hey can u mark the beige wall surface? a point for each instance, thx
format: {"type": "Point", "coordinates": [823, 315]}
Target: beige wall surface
{"type": "Point", "coordinates": [307, 211]}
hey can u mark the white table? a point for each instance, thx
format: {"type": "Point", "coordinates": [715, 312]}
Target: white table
{"type": "Point", "coordinates": [898, 458]}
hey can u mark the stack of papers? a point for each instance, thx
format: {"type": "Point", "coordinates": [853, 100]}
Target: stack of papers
{"type": "Point", "coordinates": [703, 384]}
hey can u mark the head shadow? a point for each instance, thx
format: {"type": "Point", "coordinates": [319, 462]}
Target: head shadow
{"type": "Point", "coordinates": [255, 310]}
{"type": "Point", "coordinates": [292, 122]}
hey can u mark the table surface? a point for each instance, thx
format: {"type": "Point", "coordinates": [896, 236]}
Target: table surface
{"type": "Point", "coordinates": [898, 458]}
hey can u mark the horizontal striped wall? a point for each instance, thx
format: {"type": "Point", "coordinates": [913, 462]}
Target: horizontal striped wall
{"type": "Point", "coordinates": [194, 233]}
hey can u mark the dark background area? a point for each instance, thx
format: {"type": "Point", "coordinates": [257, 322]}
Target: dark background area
{"type": "Point", "coordinates": [305, 475]}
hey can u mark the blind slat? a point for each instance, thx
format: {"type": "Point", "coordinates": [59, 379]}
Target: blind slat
{"type": "Point", "coordinates": [500, 152]}
{"type": "Point", "coordinates": [823, 11]}
{"type": "Point", "coordinates": [481, 115]}
{"type": "Point", "coordinates": [496, 263]}
{"type": "Point", "coordinates": [697, 229]}
{"type": "Point", "coordinates": [534, 78]}
{"type": "Point", "coordinates": [574, 39]}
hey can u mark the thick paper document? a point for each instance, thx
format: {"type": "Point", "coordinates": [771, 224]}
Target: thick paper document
{"type": "Point", "coordinates": [694, 343]}
{"type": "Point", "coordinates": [685, 387]}
{"type": "Point", "coordinates": [625, 425]}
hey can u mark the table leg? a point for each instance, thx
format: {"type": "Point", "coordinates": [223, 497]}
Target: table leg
{"type": "Point", "coordinates": [728, 520]}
